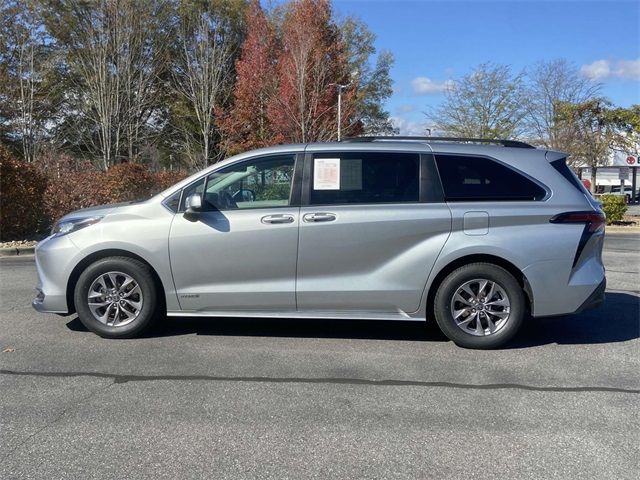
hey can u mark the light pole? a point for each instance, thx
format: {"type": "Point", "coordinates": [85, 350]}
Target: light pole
{"type": "Point", "coordinates": [340, 88]}
{"type": "Point", "coordinates": [431, 130]}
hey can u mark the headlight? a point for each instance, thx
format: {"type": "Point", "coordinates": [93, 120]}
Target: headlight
{"type": "Point", "coordinates": [73, 224]}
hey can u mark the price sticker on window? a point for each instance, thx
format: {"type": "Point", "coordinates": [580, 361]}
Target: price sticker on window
{"type": "Point", "coordinates": [326, 174]}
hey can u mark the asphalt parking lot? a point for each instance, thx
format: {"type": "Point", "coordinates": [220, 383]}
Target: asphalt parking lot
{"type": "Point", "coordinates": [241, 398]}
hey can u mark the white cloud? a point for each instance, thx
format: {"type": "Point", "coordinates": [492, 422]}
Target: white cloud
{"type": "Point", "coordinates": [409, 127]}
{"type": "Point", "coordinates": [603, 69]}
{"type": "Point", "coordinates": [426, 86]}
{"type": "Point", "coordinates": [597, 70]}
{"type": "Point", "coordinates": [406, 108]}
{"type": "Point", "coordinates": [628, 69]}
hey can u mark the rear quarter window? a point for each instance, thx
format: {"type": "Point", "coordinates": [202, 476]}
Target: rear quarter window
{"type": "Point", "coordinates": [563, 169]}
{"type": "Point", "coordinates": [470, 178]}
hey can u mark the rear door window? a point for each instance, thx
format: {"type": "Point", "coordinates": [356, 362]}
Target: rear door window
{"type": "Point", "coordinates": [469, 178]}
{"type": "Point", "coordinates": [364, 177]}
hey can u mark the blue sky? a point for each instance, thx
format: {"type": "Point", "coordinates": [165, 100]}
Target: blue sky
{"type": "Point", "coordinates": [436, 41]}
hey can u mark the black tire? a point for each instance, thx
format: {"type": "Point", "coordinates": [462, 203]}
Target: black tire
{"type": "Point", "coordinates": [137, 270]}
{"type": "Point", "coordinates": [467, 273]}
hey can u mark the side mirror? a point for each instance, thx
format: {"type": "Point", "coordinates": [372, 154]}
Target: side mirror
{"type": "Point", "coordinates": [193, 203]}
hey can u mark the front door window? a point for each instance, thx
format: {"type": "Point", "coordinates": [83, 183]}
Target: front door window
{"type": "Point", "coordinates": [262, 183]}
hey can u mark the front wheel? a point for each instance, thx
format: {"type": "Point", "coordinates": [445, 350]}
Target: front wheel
{"type": "Point", "coordinates": [116, 297]}
{"type": "Point", "coordinates": [480, 305]}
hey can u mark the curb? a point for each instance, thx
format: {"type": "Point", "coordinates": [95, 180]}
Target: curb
{"type": "Point", "coordinates": [16, 251]}
{"type": "Point", "coordinates": [617, 229]}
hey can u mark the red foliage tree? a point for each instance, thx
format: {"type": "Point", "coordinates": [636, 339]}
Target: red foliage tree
{"type": "Point", "coordinates": [246, 125]}
{"type": "Point", "coordinates": [311, 61]}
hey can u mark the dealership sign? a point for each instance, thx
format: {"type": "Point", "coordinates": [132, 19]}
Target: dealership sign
{"type": "Point", "coordinates": [624, 159]}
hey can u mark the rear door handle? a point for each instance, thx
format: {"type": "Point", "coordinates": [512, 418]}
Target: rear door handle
{"type": "Point", "coordinates": [281, 218]}
{"type": "Point", "coordinates": [319, 217]}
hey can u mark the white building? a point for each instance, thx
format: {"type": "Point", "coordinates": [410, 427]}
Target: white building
{"type": "Point", "coordinates": [620, 173]}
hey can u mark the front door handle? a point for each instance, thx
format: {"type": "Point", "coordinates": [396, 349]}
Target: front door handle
{"type": "Point", "coordinates": [319, 217]}
{"type": "Point", "coordinates": [283, 218]}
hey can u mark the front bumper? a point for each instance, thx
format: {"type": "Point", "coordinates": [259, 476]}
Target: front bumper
{"type": "Point", "coordinates": [55, 258]}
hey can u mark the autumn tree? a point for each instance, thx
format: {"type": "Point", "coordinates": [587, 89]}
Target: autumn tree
{"type": "Point", "coordinates": [311, 62]}
{"type": "Point", "coordinates": [486, 103]}
{"type": "Point", "coordinates": [597, 128]}
{"type": "Point", "coordinates": [372, 82]}
{"type": "Point", "coordinates": [549, 85]}
{"type": "Point", "coordinates": [246, 125]}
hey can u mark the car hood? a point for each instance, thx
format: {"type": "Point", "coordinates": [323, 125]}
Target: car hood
{"type": "Point", "coordinates": [98, 210]}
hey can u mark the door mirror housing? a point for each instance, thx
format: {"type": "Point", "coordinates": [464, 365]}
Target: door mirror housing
{"type": "Point", "coordinates": [193, 203]}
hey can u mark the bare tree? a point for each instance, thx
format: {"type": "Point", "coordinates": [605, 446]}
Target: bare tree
{"type": "Point", "coordinates": [202, 77]}
{"type": "Point", "coordinates": [113, 66]}
{"type": "Point", "coordinates": [487, 103]}
{"type": "Point", "coordinates": [24, 65]}
{"type": "Point", "coordinates": [141, 59]}
{"type": "Point", "coordinates": [91, 42]}
{"type": "Point", "coordinates": [551, 84]}
{"type": "Point", "coordinates": [27, 81]}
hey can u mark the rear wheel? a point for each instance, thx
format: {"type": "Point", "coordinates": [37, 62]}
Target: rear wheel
{"type": "Point", "coordinates": [116, 297]}
{"type": "Point", "coordinates": [479, 305]}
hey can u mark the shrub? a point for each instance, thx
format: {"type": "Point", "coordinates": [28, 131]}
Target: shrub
{"type": "Point", "coordinates": [22, 188]}
{"type": "Point", "coordinates": [82, 185]}
{"type": "Point", "coordinates": [72, 184]}
{"type": "Point", "coordinates": [34, 196]}
{"type": "Point", "coordinates": [614, 207]}
{"type": "Point", "coordinates": [128, 181]}
{"type": "Point", "coordinates": [73, 190]}
{"type": "Point", "coordinates": [273, 191]}
{"type": "Point", "coordinates": [165, 178]}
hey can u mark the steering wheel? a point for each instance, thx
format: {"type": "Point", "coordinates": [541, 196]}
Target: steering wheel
{"type": "Point", "coordinates": [226, 201]}
{"type": "Point", "coordinates": [240, 195]}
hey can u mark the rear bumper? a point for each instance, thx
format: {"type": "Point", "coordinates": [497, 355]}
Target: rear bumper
{"type": "Point", "coordinates": [557, 293]}
{"type": "Point", "coordinates": [595, 299]}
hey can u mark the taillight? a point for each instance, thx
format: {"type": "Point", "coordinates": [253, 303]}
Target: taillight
{"type": "Point", "coordinates": [594, 221]}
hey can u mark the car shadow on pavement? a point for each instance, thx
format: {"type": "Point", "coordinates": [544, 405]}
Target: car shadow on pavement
{"type": "Point", "coordinates": [617, 320]}
{"type": "Point", "coordinates": [289, 327]}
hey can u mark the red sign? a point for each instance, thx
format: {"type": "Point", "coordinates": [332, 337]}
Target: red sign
{"type": "Point", "coordinates": [631, 160]}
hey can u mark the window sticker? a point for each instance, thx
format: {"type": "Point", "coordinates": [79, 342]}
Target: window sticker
{"type": "Point", "coordinates": [326, 174]}
{"type": "Point", "coordinates": [351, 174]}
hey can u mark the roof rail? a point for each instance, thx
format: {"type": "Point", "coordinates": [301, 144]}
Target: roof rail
{"type": "Point", "coordinates": [504, 143]}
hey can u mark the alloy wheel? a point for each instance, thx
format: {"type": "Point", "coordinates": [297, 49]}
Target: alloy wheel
{"type": "Point", "coordinates": [115, 299]}
{"type": "Point", "coordinates": [480, 307]}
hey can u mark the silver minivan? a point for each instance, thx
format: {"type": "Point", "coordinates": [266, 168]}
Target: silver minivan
{"type": "Point", "coordinates": [477, 234]}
